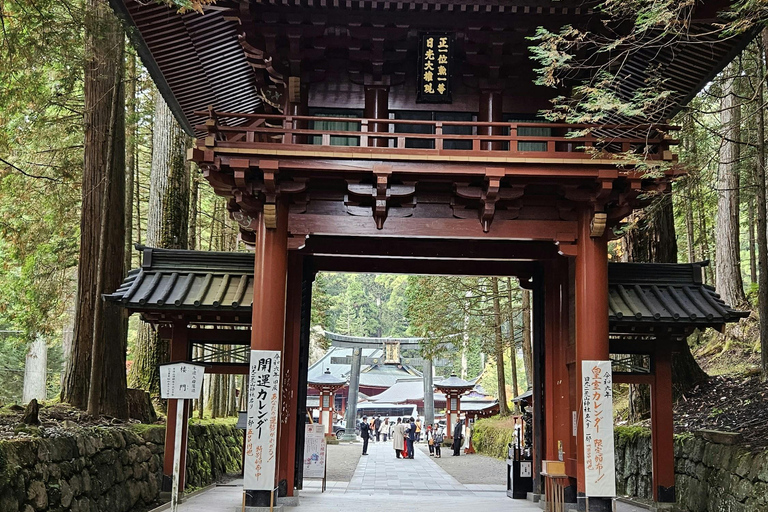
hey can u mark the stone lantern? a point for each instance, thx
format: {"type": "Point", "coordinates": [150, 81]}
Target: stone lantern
{"type": "Point", "coordinates": [327, 385]}
{"type": "Point", "coordinates": [453, 387]}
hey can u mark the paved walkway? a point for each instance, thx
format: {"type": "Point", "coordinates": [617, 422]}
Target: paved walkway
{"type": "Point", "coordinates": [379, 480]}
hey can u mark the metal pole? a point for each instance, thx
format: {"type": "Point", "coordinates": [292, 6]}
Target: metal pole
{"type": "Point", "coordinates": [429, 394]}
{"type": "Point", "coordinates": [177, 454]}
{"type": "Point", "coordinates": [354, 389]}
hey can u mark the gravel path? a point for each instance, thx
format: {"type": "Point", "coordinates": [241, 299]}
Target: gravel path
{"type": "Point", "coordinates": [342, 461]}
{"type": "Point", "coordinates": [471, 469]}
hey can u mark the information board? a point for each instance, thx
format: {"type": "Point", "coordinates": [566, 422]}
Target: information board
{"type": "Point", "coordinates": [314, 451]}
{"type": "Point", "coordinates": [181, 380]}
{"type": "Point", "coordinates": [597, 400]}
{"type": "Point", "coordinates": [261, 428]}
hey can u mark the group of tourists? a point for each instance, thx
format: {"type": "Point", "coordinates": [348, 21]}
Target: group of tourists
{"type": "Point", "coordinates": [405, 432]}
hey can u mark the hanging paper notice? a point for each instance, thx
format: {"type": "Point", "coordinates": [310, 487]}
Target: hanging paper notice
{"type": "Point", "coordinates": [597, 400]}
{"type": "Point", "coordinates": [314, 451]}
{"type": "Point", "coordinates": [181, 380]}
{"type": "Point", "coordinates": [261, 427]}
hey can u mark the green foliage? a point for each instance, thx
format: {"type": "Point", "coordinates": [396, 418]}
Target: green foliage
{"type": "Point", "coordinates": [492, 436]}
{"type": "Point", "coordinates": [360, 304]}
{"type": "Point", "coordinates": [631, 433]}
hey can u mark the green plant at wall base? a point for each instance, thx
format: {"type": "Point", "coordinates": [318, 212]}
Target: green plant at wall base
{"type": "Point", "coordinates": [631, 433]}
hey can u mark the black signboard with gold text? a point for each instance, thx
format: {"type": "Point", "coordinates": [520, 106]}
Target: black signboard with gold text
{"type": "Point", "coordinates": [434, 72]}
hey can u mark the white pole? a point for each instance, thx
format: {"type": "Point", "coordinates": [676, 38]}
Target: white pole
{"type": "Point", "coordinates": [177, 454]}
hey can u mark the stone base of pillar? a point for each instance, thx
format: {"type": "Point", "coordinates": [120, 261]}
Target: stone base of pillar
{"type": "Point", "coordinates": [599, 505]}
{"type": "Point", "coordinates": [348, 437]}
{"type": "Point", "coordinates": [289, 501]}
{"type": "Point", "coordinates": [535, 498]}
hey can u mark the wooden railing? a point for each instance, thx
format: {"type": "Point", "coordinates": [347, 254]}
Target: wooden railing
{"type": "Point", "coordinates": [266, 131]}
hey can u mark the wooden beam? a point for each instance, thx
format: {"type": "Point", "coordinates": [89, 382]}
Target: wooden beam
{"type": "Point", "coordinates": [227, 368]}
{"type": "Point", "coordinates": [524, 230]}
{"type": "Point", "coordinates": [422, 267]}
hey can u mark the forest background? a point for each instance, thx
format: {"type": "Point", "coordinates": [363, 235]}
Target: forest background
{"type": "Point", "coordinates": [92, 162]}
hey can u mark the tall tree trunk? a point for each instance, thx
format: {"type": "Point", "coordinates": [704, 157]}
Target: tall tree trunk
{"type": "Point", "coordinates": [527, 338]}
{"type": "Point", "coordinates": [103, 183]}
{"type": "Point", "coordinates": [728, 272]}
{"type": "Point", "coordinates": [709, 277]}
{"type": "Point", "coordinates": [130, 156]}
{"type": "Point", "coordinates": [499, 345]}
{"type": "Point", "coordinates": [167, 227]}
{"type": "Point", "coordinates": [36, 371]}
{"type": "Point", "coordinates": [512, 341]}
{"type": "Point", "coordinates": [752, 241]}
{"type": "Point", "coordinates": [652, 239]}
{"type": "Point", "coordinates": [762, 236]}
{"type": "Point", "coordinates": [193, 212]}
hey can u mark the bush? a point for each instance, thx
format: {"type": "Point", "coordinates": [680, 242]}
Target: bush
{"type": "Point", "coordinates": [491, 436]}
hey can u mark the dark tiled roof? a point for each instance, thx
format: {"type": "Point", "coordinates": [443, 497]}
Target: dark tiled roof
{"type": "Point", "coordinates": [641, 295]}
{"type": "Point", "coordinates": [664, 294]}
{"type": "Point", "coordinates": [188, 280]}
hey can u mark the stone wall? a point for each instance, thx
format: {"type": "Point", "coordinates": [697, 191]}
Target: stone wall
{"type": "Point", "coordinates": [710, 476]}
{"type": "Point", "coordinates": [115, 469]}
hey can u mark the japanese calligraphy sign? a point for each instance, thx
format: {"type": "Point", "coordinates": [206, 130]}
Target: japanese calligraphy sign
{"type": "Point", "coordinates": [314, 451]}
{"type": "Point", "coordinates": [181, 380]}
{"type": "Point", "coordinates": [434, 71]}
{"type": "Point", "coordinates": [597, 401]}
{"type": "Point", "coordinates": [261, 425]}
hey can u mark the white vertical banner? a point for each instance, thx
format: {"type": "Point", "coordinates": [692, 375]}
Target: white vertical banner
{"type": "Point", "coordinates": [261, 425]}
{"type": "Point", "coordinates": [597, 401]}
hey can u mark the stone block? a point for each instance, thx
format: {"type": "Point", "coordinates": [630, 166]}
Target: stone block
{"type": "Point", "coordinates": [718, 437]}
{"type": "Point", "coordinates": [37, 495]}
{"type": "Point", "coordinates": [742, 489]}
{"type": "Point", "coordinates": [67, 493]}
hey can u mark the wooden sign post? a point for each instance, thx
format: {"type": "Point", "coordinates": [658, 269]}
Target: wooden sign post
{"type": "Point", "coordinates": [315, 452]}
{"type": "Point", "coordinates": [179, 381]}
{"type": "Point", "coordinates": [597, 401]}
{"type": "Point", "coordinates": [261, 424]}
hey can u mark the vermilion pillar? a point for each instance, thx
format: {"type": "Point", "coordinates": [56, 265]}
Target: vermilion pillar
{"type": "Point", "coordinates": [377, 107]}
{"type": "Point", "coordinates": [662, 425]}
{"type": "Point", "coordinates": [591, 323]}
{"type": "Point", "coordinates": [490, 111]}
{"type": "Point", "coordinates": [269, 282]}
{"type": "Point", "coordinates": [286, 468]}
{"type": "Point", "coordinates": [179, 351]}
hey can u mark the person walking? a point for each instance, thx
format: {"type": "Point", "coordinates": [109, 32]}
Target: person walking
{"type": "Point", "coordinates": [437, 435]}
{"type": "Point", "coordinates": [384, 429]}
{"type": "Point", "coordinates": [431, 440]}
{"type": "Point", "coordinates": [458, 437]}
{"type": "Point", "coordinates": [411, 437]}
{"type": "Point", "coordinates": [398, 437]}
{"type": "Point", "coordinates": [418, 430]}
{"type": "Point", "coordinates": [377, 428]}
{"type": "Point", "coordinates": [365, 433]}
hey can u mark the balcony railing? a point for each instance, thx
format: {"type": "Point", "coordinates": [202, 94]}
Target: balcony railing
{"type": "Point", "coordinates": [392, 137]}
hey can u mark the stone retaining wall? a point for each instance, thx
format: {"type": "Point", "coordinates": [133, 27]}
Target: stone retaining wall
{"type": "Point", "coordinates": [710, 476]}
{"type": "Point", "coordinates": [115, 469]}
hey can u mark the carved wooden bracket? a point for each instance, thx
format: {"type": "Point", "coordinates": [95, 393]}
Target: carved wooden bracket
{"type": "Point", "coordinates": [489, 195]}
{"type": "Point", "coordinates": [381, 196]}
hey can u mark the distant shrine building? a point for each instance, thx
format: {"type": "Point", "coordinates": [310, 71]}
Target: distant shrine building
{"type": "Point", "coordinates": [378, 136]}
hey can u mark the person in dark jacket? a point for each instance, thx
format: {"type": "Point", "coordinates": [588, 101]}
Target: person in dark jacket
{"type": "Point", "coordinates": [377, 428]}
{"type": "Point", "coordinates": [365, 433]}
{"type": "Point", "coordinates": [411, 437]}
{"type": "Point", "coordinates": [458, 437]}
